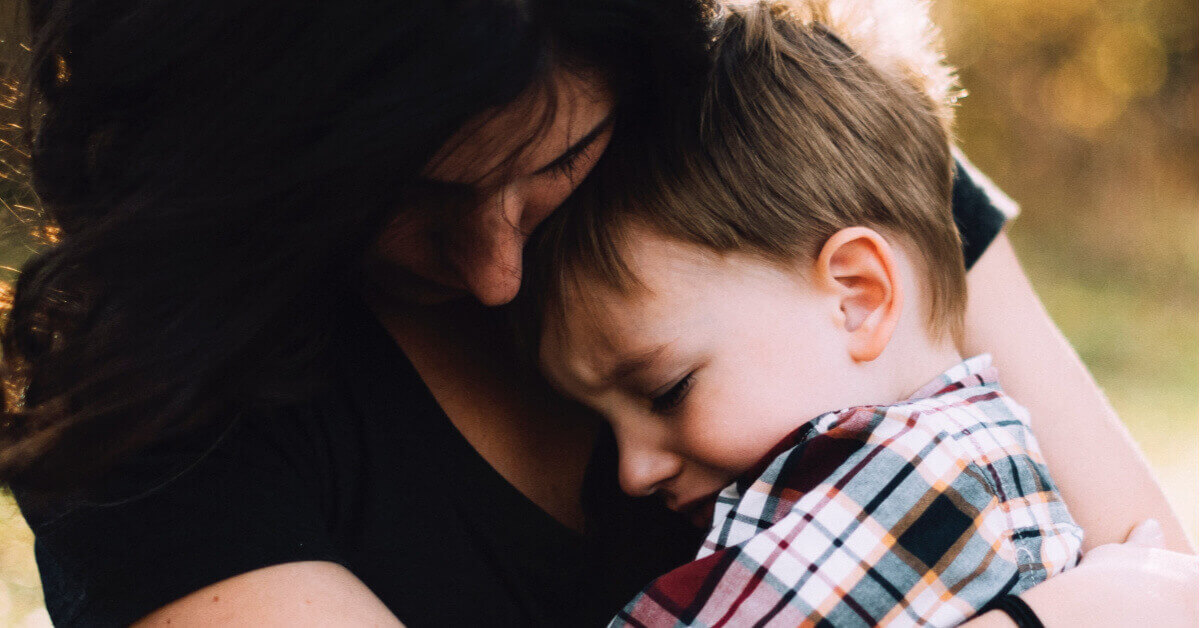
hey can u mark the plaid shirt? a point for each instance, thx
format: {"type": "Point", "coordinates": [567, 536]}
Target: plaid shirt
{"type": "Point", "coordinates": [917, 513]}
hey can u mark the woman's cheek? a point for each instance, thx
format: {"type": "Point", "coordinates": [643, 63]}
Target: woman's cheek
{"type": "Point", "coordinates": [543, 200]}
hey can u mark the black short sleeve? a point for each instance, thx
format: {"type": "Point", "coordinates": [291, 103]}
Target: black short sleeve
{"type": "Point", "coordinates": [980, 209]}
{"type": "Point", "coordinates": [216, 511]}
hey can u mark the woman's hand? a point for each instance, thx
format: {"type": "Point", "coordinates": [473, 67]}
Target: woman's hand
{"type": "Point", "coordinates": [1137, 582]}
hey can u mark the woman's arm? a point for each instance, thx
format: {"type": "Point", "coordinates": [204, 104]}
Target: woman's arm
{"type": "Point", "coordinates": [1098, 468]}
{"type": "Point", "coordinates": [293, 594]}
{"type": "Point", "coordinates": [1128, 584]}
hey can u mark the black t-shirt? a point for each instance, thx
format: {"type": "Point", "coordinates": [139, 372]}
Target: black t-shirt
{"type": "Point", "coordinates": [373, 476]}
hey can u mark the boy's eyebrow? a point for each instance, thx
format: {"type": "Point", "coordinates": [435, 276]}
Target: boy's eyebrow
{"type": "Point", "coordinates": [630, 364]}
{"type": "Point", "coordinates": [579, 146]}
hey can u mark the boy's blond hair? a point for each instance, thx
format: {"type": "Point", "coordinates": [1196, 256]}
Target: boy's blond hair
{"type": "Point", "coordinates": [818, 115]}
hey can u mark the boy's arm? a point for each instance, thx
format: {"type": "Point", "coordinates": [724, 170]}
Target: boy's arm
{"type": "Point", "coordinates": [1105, 481]}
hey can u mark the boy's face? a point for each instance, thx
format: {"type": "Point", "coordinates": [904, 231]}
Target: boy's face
{"type": "Point", "coordinates": [704, 371]}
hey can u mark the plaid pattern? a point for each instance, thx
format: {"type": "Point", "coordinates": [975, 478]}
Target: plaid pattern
{"type": "Point", "coordinates": [918, 513]}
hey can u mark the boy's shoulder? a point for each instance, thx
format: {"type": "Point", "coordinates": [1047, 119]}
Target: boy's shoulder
{"type": "Point", "coordinates": [963, 410]}
{"type": "Point", "coordinates": [959, 408]}
{"type": "Point", "coordinates": [881, 462]}
{"type": "Point", "coordinates": [961, 419]}
{"type": "Point", "coordinates": [909, 513]}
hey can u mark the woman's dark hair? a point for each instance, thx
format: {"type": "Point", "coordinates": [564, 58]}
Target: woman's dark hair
{"type": "Point", "coordinates": [217, 170]}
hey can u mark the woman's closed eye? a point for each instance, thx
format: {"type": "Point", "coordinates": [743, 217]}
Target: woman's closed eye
{"type": "Point", "coordinates": [567, 164]}
{"type": "Point", "coordinates": [669, 400]}
{"type": "Point", "coordinates": [569, 161]}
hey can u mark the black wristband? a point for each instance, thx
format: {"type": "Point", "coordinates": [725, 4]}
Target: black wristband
{"type": "Point", "coordinates": [1016, 609]}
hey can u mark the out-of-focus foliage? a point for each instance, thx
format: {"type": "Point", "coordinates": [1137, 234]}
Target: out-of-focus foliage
{"type": "Point", "coordinates": [21, 227]}
{"type": "Point", "coordinates": [20, 230]}
{"type": "Point", "coordinates": [1085, 111]}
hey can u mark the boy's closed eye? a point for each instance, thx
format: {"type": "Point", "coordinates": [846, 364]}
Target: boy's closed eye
{"type": "Point", "coordinates": [674, 395]}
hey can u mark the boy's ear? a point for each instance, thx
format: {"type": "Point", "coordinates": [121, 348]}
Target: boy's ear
{"type": "Point", "coordinates": [860, 267]}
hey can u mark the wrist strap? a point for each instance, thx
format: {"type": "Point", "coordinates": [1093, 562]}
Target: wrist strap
{"type": "Point", "coordinates": [1016, 609]}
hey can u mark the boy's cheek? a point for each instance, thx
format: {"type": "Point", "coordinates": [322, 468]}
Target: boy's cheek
{"type": "Point", "coordinates": [760, 419]}
{"type": "Point", "coordinates": [728, 449]}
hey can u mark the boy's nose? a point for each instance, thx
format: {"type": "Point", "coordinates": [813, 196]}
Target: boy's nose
{"type": "Point", "coordinates": [644, 470]}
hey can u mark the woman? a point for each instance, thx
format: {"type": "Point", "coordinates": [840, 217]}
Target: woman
{"type": "Point", "coordinates": [261, 387]}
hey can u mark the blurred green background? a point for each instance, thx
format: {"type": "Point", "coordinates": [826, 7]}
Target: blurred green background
{"type": "Point", "coordinates": [1085, 112]}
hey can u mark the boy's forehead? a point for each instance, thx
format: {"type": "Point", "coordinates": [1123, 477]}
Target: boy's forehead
{"type": "Point", "coordinates": [662, 275]}
{"type": "Point", "coordinates": [576, 344]}
{"type": "Point", "coordinates": [666, 279]}
{"type": "Point", "coordinates": [598, 324]}
{"type": "Point", "coordinates": [593, 321]}
{"type": "Point", "coordinates": [596, 327]}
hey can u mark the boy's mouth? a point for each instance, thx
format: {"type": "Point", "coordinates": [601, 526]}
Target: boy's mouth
{"type": "Point", "coordinates": [699, 511]}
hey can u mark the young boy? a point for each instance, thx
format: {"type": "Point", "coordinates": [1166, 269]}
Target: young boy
{"type": "Point", "coordinates": [801, 257]}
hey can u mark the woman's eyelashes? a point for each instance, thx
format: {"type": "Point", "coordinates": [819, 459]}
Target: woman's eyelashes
{"type": "Point", "coordinates": [570, 162]}
{"type": "Point", "coordinates": [567, 164]}
{"type": "Point", "coordinates": [578, 154]}
{"type": "Point", "coordinates": [669, 400]}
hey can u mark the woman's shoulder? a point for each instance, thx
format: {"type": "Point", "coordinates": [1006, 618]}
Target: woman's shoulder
{"type": "Point", "coordinates": [177, 517]}
{"type": "Point", "coordinates": [980, 208]}
{"type": "Point", "coordinates": [272, 486]}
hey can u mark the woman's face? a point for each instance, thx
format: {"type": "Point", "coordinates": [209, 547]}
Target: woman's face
{"type": "Point", "coordinates": [466, 221]}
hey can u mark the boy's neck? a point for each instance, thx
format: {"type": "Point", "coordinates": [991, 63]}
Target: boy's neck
{"type": "Point", "coordinates": [911, 361]}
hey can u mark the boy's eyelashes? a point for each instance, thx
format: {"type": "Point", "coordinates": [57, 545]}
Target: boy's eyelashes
{"type": "Point", "coordinates": [670, 399]}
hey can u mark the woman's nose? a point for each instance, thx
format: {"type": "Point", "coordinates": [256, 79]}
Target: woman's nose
{"type": "Point", "coordinates": [644, 468]}
{"type": "Point", "coordinates": [488, 253]}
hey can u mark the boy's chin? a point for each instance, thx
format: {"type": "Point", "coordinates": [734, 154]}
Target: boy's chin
{"type": "Point", "coordinates": [701, 514]}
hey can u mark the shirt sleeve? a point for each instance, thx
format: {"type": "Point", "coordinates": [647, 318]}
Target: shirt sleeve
{"type": "Point", "coordinates": [200, 513]}
{"type": "Point", "coordinates": [980, 208]}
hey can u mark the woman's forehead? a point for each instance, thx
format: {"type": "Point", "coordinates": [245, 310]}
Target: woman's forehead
{"type": "Point", "coordinates": [526, 135]}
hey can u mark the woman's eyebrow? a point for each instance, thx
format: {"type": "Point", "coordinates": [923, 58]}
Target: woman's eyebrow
{"type": "Point", "coordinates": [579, 146]}
{"type": "Point", "coordinates": [448, 187]}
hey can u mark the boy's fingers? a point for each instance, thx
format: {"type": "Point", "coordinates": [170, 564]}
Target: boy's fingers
{"type": "Point", "coordinates": [1148, 533]}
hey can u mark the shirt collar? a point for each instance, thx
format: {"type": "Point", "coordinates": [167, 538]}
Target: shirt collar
{"type": "Point", "coordinates": [974, 371]}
